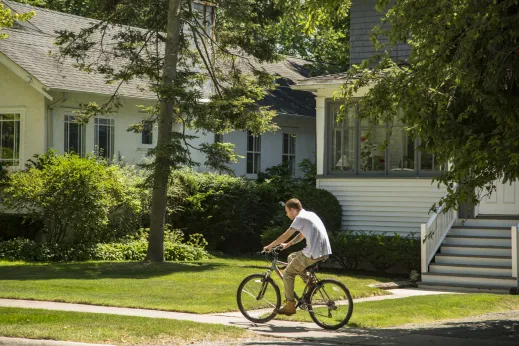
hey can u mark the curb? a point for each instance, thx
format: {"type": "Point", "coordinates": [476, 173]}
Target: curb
{"type": "Point", "coordinates": [35, 342]}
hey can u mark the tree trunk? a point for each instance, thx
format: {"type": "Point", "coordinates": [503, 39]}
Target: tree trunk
{"type": "Point", "coordinates": [162, 167]}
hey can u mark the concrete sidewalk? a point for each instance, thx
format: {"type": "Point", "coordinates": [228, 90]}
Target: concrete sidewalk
{"type": "Point", "coordinates": [297, 333]}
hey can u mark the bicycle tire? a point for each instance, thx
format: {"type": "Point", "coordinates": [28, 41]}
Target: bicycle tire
{"type": "Point", "coordinates": [327, 297]}
{"type": "Point", "coordinates": [258, 310]}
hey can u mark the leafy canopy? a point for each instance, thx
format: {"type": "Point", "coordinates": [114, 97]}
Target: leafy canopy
{"type": "Point", "coordinates": [458, 90]}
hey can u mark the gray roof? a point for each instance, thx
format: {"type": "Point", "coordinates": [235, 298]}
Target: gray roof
{"type": "Point", "coordinates": [29, 44]}
{"type": "Point", "coordinates": [337, 78]}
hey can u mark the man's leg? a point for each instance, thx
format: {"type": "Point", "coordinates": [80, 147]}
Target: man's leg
{"type": "Point", "coordinates": [297, 263]}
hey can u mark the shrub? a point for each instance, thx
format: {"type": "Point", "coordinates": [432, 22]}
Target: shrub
{"type": "Point", "coordinates": [324, 204]}
{"type": "Point", "coordinates": [230, 212]}
{"type": "Point", "coordinates": [15, 226]}
{"type": "Point", "coordinates": [380, 250]}
{"type": "Point", "coordinates": [130, 249]}
{"type": "Point", "coordinates": [76, 198]}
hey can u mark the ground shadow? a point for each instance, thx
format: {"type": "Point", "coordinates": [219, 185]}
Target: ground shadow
{"type": "Point", "coordinates": [100, 270]}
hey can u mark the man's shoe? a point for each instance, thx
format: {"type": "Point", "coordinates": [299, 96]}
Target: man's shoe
{"type": "Point", "coordinates": [289, 308]}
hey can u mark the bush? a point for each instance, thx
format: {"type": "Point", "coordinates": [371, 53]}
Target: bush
{"type": "Point", "coordinates": [380, 250]}
{"type": "Point", "coordinates": [130, 249]}
{"type": "Point", "coordinates": [324, 204]}
{"type": "Point", "coordinates": [77, 199]}
{"type": "Point", "coordinates": [229, 212]}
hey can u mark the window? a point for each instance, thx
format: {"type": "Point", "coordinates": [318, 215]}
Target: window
{"type": "Point", "coordinates": [218, 138]}
{"type": "Point", "coordinates": [147, 133]}
{"type": "Point", "coordinates": [343, 141]}
{"type": "Point", "coordinates": [289, 151]}
{"type": "Point", "coordinates": [253, 153]}
{"type": "Point", "coordinates": [207, 16]}
{"type": "Point", "coordinates": [74, 136]}
{"type": "Point", "coordinates": [356, 148]}
{"type": "Point", "coordinates": [104, 137]}
{"type": "Point", "coordinates": [10, 139]}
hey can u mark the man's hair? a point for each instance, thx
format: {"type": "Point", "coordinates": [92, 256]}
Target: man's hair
{"type": "Point", "coordinates": [294, 203]}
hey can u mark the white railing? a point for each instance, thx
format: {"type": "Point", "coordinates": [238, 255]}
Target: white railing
{"type": "Point", "coordinates": [515, 253]}
{"type": "Point", "coordinates": [432, 234]}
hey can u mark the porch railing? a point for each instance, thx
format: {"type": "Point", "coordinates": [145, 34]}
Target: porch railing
{"type": "Point", "coordinates": [432, 234]}
{"type": "Point", "coordinates": [515, 253]}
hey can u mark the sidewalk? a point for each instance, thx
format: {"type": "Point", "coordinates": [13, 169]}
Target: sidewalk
{"type": "Point", "coordinates": [298, 333]}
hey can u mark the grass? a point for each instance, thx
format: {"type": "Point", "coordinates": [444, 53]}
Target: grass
{"type": "Point", "coordinates": [198, 287]}
{"type": "Point", "coordinates": [422, 309]}
{"type": "Point", "coordinates": [112, 329]}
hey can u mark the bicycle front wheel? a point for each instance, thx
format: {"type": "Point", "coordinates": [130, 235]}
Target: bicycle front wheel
{"type": "Point", "coordinates": [331, 304]}
{"type": "Point", "coordinates": [258, 298]}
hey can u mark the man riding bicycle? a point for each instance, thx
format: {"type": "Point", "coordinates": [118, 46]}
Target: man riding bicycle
{"type": "Point", "coordinates": [311, 228]}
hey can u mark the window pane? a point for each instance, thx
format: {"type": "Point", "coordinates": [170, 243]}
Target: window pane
{"type": "Point", "coordinates": [147, 133]}
{"type": "Point", "coordinates": [250, 142]}
{"type": "Point", "coordinates": [257, 144]}
{"type": "Point", "coordinates": [257, 161]}
{"type": "Point", "coordinates": [250, 163]}
{"type": "Point", "coordinates": [218, 138]}
{"type": "Point", "coordinates": [372, 155]}
{"type": "Point", "coordinates": [9, 139]}
{"type": "Point", "coordinates": [285, 143]}
{"type": "Point", "coordinates": [401, 151]}
{"type": "Point", "coordinates": [104, 137]}
{"type": "Point", "coordinates": [343, 141]}
{"type": "Point", "coordinates": [293, 144]}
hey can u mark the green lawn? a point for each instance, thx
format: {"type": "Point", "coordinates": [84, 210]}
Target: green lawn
{"type": "Point", "coordinates": [111, 329]}
{"type": "Point", "coordinates": [395, 312]}
{"type": "Point", "coordinates": [198, 287]}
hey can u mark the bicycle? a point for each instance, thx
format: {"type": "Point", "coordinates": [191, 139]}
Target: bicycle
{"type": "Point", "coordinates": [330, 304]}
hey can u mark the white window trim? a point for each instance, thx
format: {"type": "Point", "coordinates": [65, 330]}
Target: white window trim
{"type": "Point", "coordinates": [112, 124]}
{"type": "Point", "coordinates": [21, 150]}
{"type": "Point", "coordinates": [289, 154]}
{"type": "Point", "coordinates": [82, 128]}
{"type": "Point", "coordinates": [154, 135]}
{"type": "Point", "coordinates": [253, 152]}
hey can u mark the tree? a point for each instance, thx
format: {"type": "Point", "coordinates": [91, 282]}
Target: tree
{"type": "Point", "coordinates": [458, 90]}
{"type": "Point", "coordinates": [7, 18]}
{"type": "Point", "coordinates": [178, 53]}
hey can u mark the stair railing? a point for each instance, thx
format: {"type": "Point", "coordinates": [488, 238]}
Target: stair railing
{"type": "Point", "coordinates": [433, 232]}
{"type": "Point", "coordinates": [515, 254]}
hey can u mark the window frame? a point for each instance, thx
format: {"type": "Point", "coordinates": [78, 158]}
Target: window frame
{"type": "Point", "coordinates": [386, 173]}
{"type": "Point", "coordinates": [255, 152]}
{"type": "Point", "coordinates": [21, 138]}
{"type": "Point", "coordinates": [111, 126]}
{"type": "Point", "coordinates": [150, 132]}
{"type": "Point", "coordinates": [81, 131]}
{"type": "Point", "coordinates": [289, 154]}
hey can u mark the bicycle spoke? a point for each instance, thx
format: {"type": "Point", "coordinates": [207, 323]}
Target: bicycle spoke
{"type": "Point", "coordinates": [331, 304]}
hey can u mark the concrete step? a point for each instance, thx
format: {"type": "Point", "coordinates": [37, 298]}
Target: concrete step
{"type": "Point", "coordinates": [463, 288]}
{"type": "Point", "coordinates": [483, 281]}
{"type": "Point", "coordinates": [470, 269]}
{"type": "Point", "coordinates": [497, 232]}
{"type": "Point", "coordinates": [481, 260]}
{"type": "Point", "coordinates": [484, 222]}
{"type": "Point", "coordinates": [476, 250]}
{"type": "Point", "coordinates": [484, 241]}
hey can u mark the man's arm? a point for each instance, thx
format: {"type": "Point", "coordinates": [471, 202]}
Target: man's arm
{"type": "Point", "coordinates": [281, 239]}
{"type": "Point", "coordinates": [298, 238]}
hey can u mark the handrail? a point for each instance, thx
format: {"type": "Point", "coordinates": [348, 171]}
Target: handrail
{"type": "Point", "coordinates": [515, 253]}
{"type": "Point", "coordinates": [433, 233]}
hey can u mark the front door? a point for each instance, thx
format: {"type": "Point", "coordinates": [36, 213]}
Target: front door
{"type": "Point", "coordinates": [503, 201]}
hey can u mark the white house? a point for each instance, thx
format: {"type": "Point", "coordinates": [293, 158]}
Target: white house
{"type": "Point", "coordinates": [390, 190]}
{"type": "Point", "coordinates": [38, 97]}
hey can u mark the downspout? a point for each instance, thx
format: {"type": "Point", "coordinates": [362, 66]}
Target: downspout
{"type": "Point", "coordinates": [50, 120]}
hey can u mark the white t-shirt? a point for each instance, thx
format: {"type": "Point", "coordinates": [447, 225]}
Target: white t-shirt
{"type": "Point", "coordinates": [312, 228]}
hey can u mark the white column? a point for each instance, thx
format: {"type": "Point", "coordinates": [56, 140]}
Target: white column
{"type": "Point", "coordinates": [423, 247]}
{"type": "Point", "coordinates": [320, 126]}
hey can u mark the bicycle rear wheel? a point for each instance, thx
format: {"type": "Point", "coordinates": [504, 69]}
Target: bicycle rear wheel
{"type": "Point", "coordinates": [331, 304]}
{"type": "Point", "coordinates": [258, 298]}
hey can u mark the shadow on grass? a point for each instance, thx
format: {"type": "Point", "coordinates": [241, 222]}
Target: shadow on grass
{"type": "Point", "coordinates": [100, 270]}
{"type": "Point", "coordinates": [489, 332]}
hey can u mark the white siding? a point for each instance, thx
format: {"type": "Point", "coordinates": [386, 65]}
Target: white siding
{"type": "Point", "coordinates": [382, 204]}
